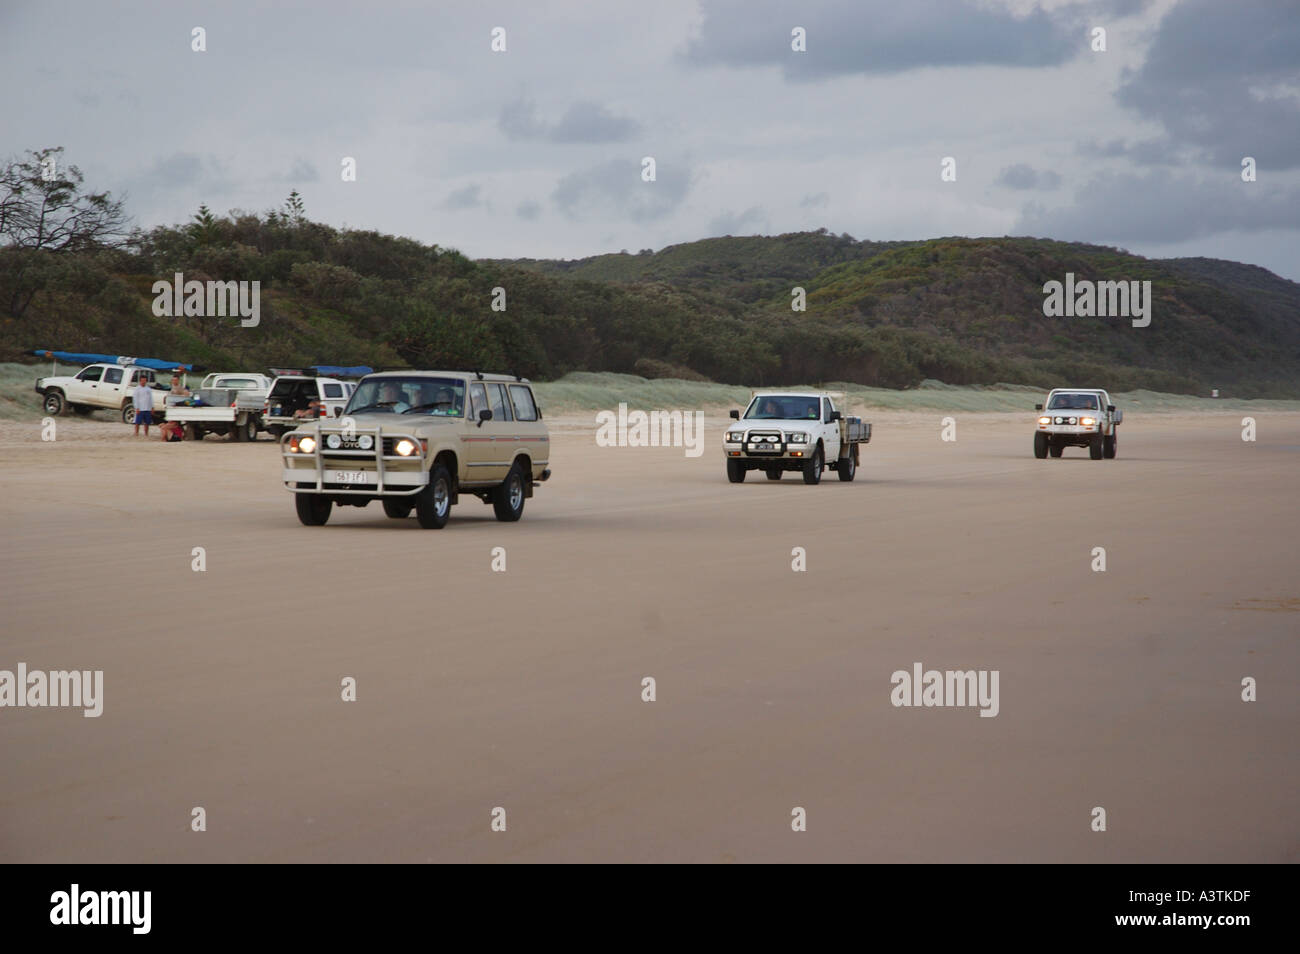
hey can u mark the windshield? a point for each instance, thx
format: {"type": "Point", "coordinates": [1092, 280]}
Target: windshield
{"type": "Point", "coordinates": [438, 397]}
{"type": "Point", "coordinates": [783, 407]}
{"type": "Point", "coordinates": [1073, 402]}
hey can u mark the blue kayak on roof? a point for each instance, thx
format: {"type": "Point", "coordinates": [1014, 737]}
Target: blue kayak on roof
{"type": "Point", "coordinates": [78, 357]}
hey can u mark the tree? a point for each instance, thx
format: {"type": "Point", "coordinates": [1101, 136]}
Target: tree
{"type": "Point", "coordinates": [43, 213]}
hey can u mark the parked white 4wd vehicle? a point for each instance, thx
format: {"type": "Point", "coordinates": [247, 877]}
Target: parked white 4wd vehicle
{"type": "Point", "coordinates": [793, 430]}
{"type": "Point", "coordinates": [98, 386]}
{"type": "Point", "coordinates": [1078, 417]}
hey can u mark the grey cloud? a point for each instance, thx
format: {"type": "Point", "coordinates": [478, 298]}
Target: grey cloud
{"type": "Point", "coordinates": [615, 190]}
{"type": "Point", "coordinates": [302, 171]}
{"type": "Point", "coordinates": [1024, 176]}
{"type": "Point", "coordinates": [529, 210]}
{"type": "Point", "coordinates": [731, 223]}
{"type": "Point", "coordinates": [816, 201]}
{"type": "Point", "coordinates": [851, 36]}
{"type": "Point", "coordinates": [1162, 208]}
{"type": "Point", "coordinates": [1207, 78]}
{"type": "Point", "coordinates": [583, 122]}
{"type": "Point", "coordinates": [466, 198]}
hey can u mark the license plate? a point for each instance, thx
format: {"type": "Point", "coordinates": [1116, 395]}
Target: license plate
{"type": "Point", "coordinates": [347, 477]}
{"type": "Point", "coordinates": [765, 446]}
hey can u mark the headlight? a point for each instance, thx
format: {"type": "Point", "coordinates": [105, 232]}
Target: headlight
{"type": "Point", "coordinates": [333, 442]}
{"type": "Point", "coordinates": [365, 442]}
{"type": "Point", "coordinates": [1087, 421]}
{"type": "Point", "coordinates": [1044, 420]}
{"type": "Point", "coordinates": [404, 448]}
{"type": "Point", "coordinates": [307, 445]}
{"type": "Point", "coordinates": [797, 438]}
{"type": "Point", "coordinates": [735, 437]}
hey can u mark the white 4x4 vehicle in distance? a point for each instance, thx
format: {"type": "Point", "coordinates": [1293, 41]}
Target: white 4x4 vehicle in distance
{"type": "Point", "coordinates": [1075, 417]}
{"type": "Point", "coordinates": [98, 386]}
{"type": "Point", "coordinates": [793, 430]}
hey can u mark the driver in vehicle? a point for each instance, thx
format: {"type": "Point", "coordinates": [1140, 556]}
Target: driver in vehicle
{"type": "Point", "coordinates": [390, 395]}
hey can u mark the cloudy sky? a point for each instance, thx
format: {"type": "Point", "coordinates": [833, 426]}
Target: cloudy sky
{"type": "Point", "coordinates": [537, 150]}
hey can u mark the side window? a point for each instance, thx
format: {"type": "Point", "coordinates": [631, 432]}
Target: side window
{"type": "Point", "coordinates": [477, 400]}
{"type": "Point", "coordinates": [497, 399]}
{"type": "Point", "coordinates": [113, 376]}
{"type": "Point", "coordinates": [91, 374]}
{"type": "Point", "coordinates": [333, 390]}
{"type": "Point", "coordinates": [827, 407]}
{"type": "Point", "coordinates": [522, 400]}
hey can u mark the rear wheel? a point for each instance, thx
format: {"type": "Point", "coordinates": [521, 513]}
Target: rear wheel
{"type": "Point", "coordinates": [1094, 447]}
{"type": "Point", "coordinates": [847, 468]}
{"type": "Point", "coordinates": [54, 403]}
{"type": "Point", "coordinates": [812, 471]}
{"type": "Point", "coordinates": [398, 508]}
{"type": "Point", "coordinates": [276, 431]}
{"type": "Point", "coordinates": [736, 471]}
{"type": "Point", "coordinates": [1109, 446]}
{"type": "Point", "coordinates": [1056, 448]}
{"type": "Point", "coordinates": [433, 503]}
{"type": "Point", "coordinates": [773, 474]}
{"type": "Point", "coordinates": [313, 509]}
{"type": "Point", "coordinates": [1040, 445]}
{"type": "Point", "coordinates": [508, 498]}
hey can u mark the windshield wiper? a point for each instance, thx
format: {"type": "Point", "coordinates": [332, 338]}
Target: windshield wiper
{"type": "Point", "coordinates": [431, 404]}
{"type": "Point", "coordinates": [382, 405]}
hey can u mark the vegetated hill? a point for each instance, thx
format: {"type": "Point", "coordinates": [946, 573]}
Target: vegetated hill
{"type": "Point", "coordinates": [964, 311]}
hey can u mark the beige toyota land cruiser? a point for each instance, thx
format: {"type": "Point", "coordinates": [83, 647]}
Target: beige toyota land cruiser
{"type": "Point", "coordinates": [415, 441]}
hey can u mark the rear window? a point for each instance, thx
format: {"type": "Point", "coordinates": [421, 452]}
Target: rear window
{"type": "Point", "coordinates": [522, 400]}
{"type": "Point", "coordinates": [333, 390]}
{"type": "Point", "coordinates": [236, 383]}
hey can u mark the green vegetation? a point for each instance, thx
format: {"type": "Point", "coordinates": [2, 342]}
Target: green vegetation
{"type": "Point", "coordinates": [886, 315]}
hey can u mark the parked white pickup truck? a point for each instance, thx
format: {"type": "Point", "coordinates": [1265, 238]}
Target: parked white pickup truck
{"type": "Point", "coordinates": [1076, 417]}
{"type": "Point", "coordinates": [793, 430]}
{"type": "Point", "coordinates": [98, 386]}
{"type": "Point", "coordinates": [297, 398]}
{"type": "Point", "coordinates": [223, 404]}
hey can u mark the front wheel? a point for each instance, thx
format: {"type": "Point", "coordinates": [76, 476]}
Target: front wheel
{"type": "Point", "coordinates": [508, 498]}
{"type": "Point", "coordinates": [128, 413]}
{"type": "Point", "coordinates": [735, 471]}
{"type": "Point", "coordinates": [1109, 446]}
{"type": "Point", "coordinates": [313, 509]}
{"type": "Point", "coordinates": [812, 471]}
{"type": "Point", "coordinates": [1040, 446]}
{"type": "Point", "coordinates": [55, 404]}
{"type": "Point", "coordinates": [1094, 447]}
{"type": "Point", "coordinates": [433, 503]}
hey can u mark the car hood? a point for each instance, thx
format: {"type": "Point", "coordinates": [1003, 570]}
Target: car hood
{"type": "Point", "coordinates": [774, 423]}
{"type": "Point", "coordinates": [385, 423]}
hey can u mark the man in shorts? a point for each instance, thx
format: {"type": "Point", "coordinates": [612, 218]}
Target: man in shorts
{"type": "Point", "coordinates": [142, 398]}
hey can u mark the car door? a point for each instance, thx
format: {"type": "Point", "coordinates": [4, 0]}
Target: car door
{"type": "Point", "coordinates": [501, 430]}
{"type": "Point", "coordinates": [830, 430]}
{"type": "Point", "coordinates": [112, 387]}
{"type": "Point", "coordinates": [529, 429]}
{"type": "Point", "coordinates": [84, 388]}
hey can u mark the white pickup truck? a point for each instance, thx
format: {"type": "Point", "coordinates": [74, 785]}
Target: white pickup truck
{"type": "Point", "coordinates": [793, 430]}
{"type": "Point", "coordinates": [1078, 417]}
{"type": "Point", "coordinates": [223, 404]}
{"type": "Point", "coordinates": [98, 386]}
{"type": "Point", "coordinates": [299, 398]}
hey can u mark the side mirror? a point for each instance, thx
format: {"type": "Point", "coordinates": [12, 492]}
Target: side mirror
{"type": "Point", "coordinates": [735, 415]}
{"type": "Point", "coordinates": [1038, 407]}
{"type": "Point", "coordinates": [835, 416]}
{"type": "Point", "coordinates": [1110, 408]}
{"type": "Point", "coordinates": [484, 415]}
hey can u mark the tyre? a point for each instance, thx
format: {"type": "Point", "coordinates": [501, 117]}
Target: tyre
{"type": "Point", "coordinates": [773, 474]}
{"type": "Point", "coordinates": [313, 509]}
{"type": "Point", "coordinates": [1109, 446]}
{"type": "Point", "coordinates": [236, 432]}
{"type": "Point", "coordinates": [1055, 449]}
{"type": "Point", "coordinates": [508, 499]}
{"type": "Point", "coordinates": [433, 503]}
{"type": "Point", "coordinates": [1040, 445]}
{"type": "Point", "coordinates": [736, 471]}
{"type": "Point", "coordinates": [128, 413]}
{"type": "Point", "coordinates": [847, 468]}
{"type": "Point", "coordinates": [1094, 447]}
{"type": "Point", "coordinates": [197, 432]}
{"type": "Point", "coordinates": [276, 431]}
{"type": "Point", "coordinates": [399, 508]}
{"type": "Point", "coordinates": [812, 471]}
{"type": "Point", "coordinates": [54, 404]}
{"type": "Point", "coordinates": [81, 410]}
